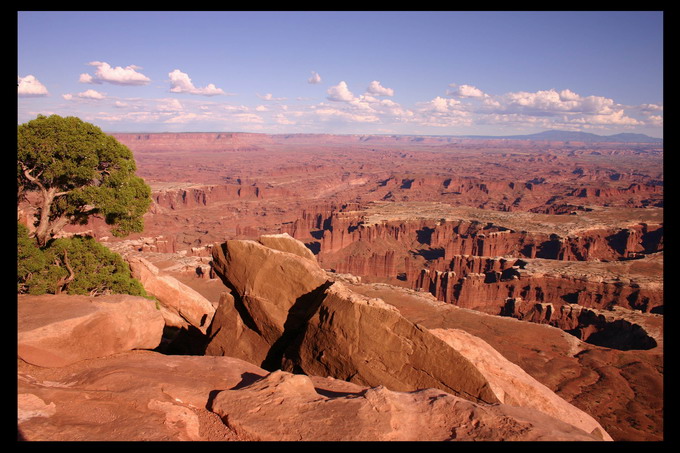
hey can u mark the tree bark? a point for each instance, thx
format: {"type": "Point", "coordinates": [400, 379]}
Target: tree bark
{"type": "Point", "coordinates": [62, 283]}
{"type": "Point", "coordinates": [43, 231]}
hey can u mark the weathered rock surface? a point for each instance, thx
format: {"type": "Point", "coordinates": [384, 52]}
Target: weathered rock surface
{"type": "Point", "coordinates": [622, 389]}
{"type": "Point", "coordinates": [272, 288]}
{"type": "Point", "coordinates": [342, 334]}
{"type": "Point", "coordinates": [147, 396]}
{"type": "Point", "coordinates": [230, 336]}
{"type": "Point", "coordinates": [286, 243]}
{"type": "Point", "coordinates": [57, 330]}
{"type": "Point", "coordinates": [512, 385]}
{"type": "Point", "coordinates": [366, 341]}
{"type": "Point", "coordinates": [287, 407]}
{"type": "Point", "coordinates": [133, 396]}
{"type": "Point", "coordinates": [181, 306]}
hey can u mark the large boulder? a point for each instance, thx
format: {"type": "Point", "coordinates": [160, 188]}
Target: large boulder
{"type": "Point", "coordinates": [273, 290]}
{"type": "Point", "coordinates": [513, 386]}
{"type": "Point", "coordinates": [366, 341]}
{"type": "Point", "coordinates": [314, 326]}
{"type": "Point", "coordinates": [230, 336]}
{"type": "Point", "coordinates": [181, 305]}
{"type": "Point", "coordinates": [57, 330]}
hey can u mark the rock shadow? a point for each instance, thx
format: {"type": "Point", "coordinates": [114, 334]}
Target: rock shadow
{"type": "Point", "coordinates": [300, 312]}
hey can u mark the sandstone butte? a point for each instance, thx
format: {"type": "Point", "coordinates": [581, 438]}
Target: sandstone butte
{"type": "Point", "coordinates": [127, 392]}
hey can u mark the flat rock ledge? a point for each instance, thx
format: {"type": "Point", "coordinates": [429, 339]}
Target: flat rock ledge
{"type": "Point", "coordinates": [147, 396]}
{"type": "Point", "coordinates": [58, 330]}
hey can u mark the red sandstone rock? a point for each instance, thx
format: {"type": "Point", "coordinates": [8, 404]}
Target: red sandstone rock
{"type": "Point", "coordinates": [368, 342]}
{"type": "Point", "coordinates": [133, 396]}
{"type": "Point", "coordinates": [605, 383]}
{"type": "Point", "coordinates": [285, 243]}
{"type": "Point", "coordinates": [229, 335]}
{"type": "Point", "coordinates": [299, 412]}
{"type": "Point", "coordinates": [146, 396]}
{"type": "Point", "coordinates": [58, 330]}
{"type": "Point", "coordinates": [514, 386]}
{"type": "Point", "coordinates": [181, 305]}
{"type": "Point", "coordinates": [272, 288]}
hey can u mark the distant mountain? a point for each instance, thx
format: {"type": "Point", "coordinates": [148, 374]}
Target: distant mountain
{"type": "Point", "coordinates": [564, 136]}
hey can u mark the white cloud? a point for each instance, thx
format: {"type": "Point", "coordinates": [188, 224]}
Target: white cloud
{"type": "Point", "coordinates": [91, 94]}
{"type": "Point", "coordinates": [169, 105]}
{"type": "Point", "coordinates": [29, 86]}
{"type": "Point", "coordinates": [87, 94]}
{"type": "Point", "coordinates": [549, 102]}
{"type": "Point", "coordinates": [314, 79]}
{"type": "Point", "coordinates": [376, 89]}
{"type": "Point", "coordinates": [181, 83]}
{"type": "Point", "coordinates": [280, 118]}
{"type": "Point", "coordinates": [465, 91]}
{"type": "Point", "coordinates": [269, 97]}
{"type": "Point", "coordinates": [329, 112]}
{"type": "Point", "coordinates": [117, 76]}
{"type": "Point", "coordinates": [442, 105]}
{"type": "Point", "coordinates": [340, 93]}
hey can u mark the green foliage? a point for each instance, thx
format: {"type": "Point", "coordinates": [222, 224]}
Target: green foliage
{"type": "Point", "coordinates": [84, 170]}
{"type": "Point", "coordinates": [30, 259]}
{"type": "Point", "coordinates": [95, 269]}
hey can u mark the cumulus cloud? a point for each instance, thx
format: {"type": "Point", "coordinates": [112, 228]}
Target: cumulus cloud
{"type": "Point", "coordinates": [552, 102]}
{"type": "Point", "coordinates": [117, 76]}
{"type": "Point", "coordinates": [376, 89]}
{"type": "Point", "coordinates": [181, 83]}
{"type": "Point", "coordinates": [87, 94]}
{"type": "Point", "coordinates": [340, 93]}
{"type": "Point", "coordinates": [465, 91]}
{"type": "Point", "coordinates": [314, 79]}
{"type": "Point", "coordinates": [550, 109]}
{"type": "Point", "coordinates": [29, 86]}
{"type": "Point", "coordinates": [442, 105]}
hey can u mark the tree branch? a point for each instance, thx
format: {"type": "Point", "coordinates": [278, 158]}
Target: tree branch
{"type": "Point", "coordinates": [63, 282]}
{"type": "Point", "coordinates": [30, 177]}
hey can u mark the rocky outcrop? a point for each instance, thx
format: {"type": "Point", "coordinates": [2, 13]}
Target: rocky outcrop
{"type": "Point", "coordinates": [618, 328]}
{"type": "Point", "coordinates": [514, 386]}
{"type": "Point", "coordinates": [181, 306]}
{"type": "Point", "coordinates": [193, 196]}
{"type": "Point", "coordinates": [58, 330]}
{"type": "Point", "coordinates": [132, 396]}
{"type": "Point", "coordinates": [325, 329]}
{"type": "Point", "coordinates": [622, 389]}
{"type": "Point", "coordinates": [147, 396]}
{"type": "Point", "coordinates": [368, 342]}
{"type": "Point", "coordinates": [303, 412]}
{"type": "Point", "coordinates": [271, 288]}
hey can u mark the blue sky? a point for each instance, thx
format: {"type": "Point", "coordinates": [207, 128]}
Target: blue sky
{"type": "Point", "coordinates": [382, 72]}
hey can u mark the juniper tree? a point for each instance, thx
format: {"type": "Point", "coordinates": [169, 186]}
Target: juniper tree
{"type": "Point", "coordinates": [79, 171]}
